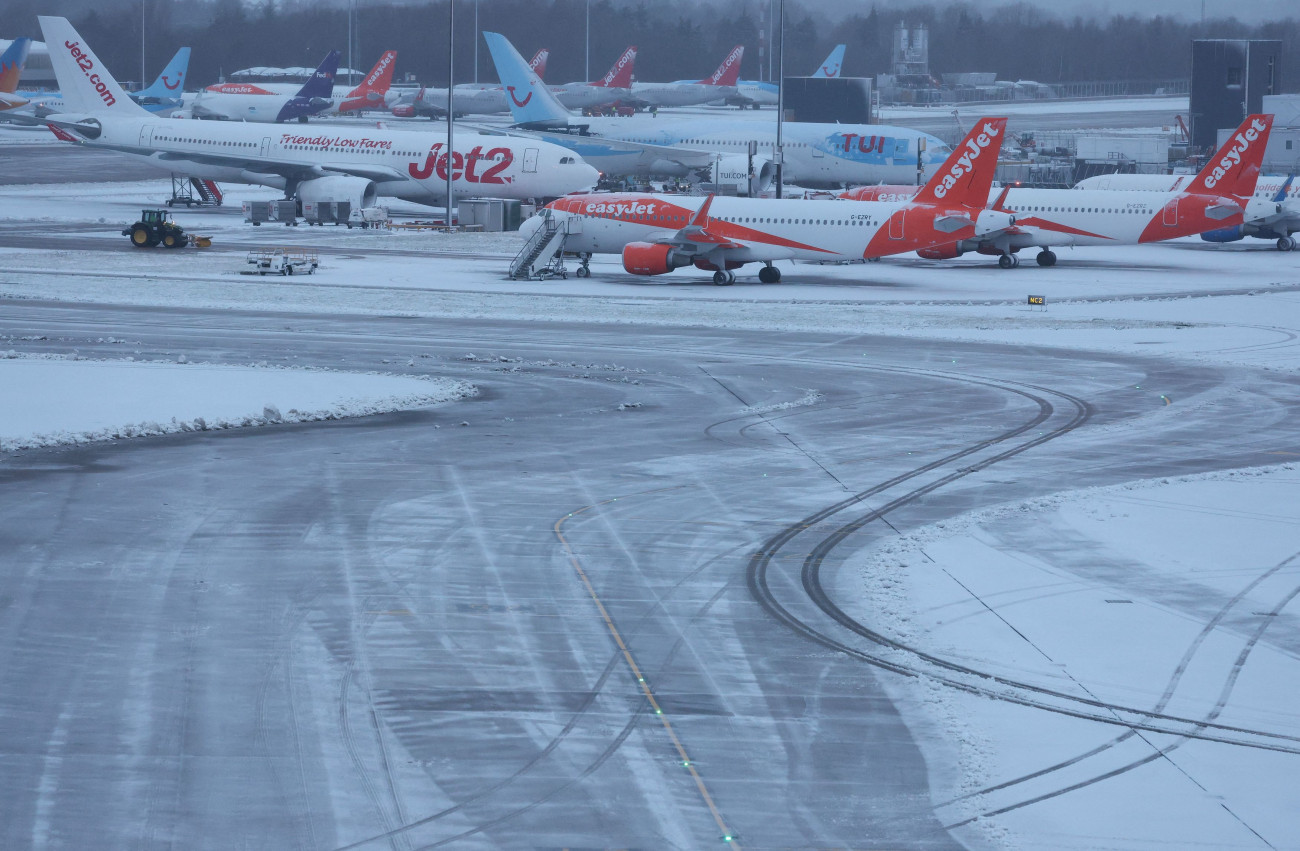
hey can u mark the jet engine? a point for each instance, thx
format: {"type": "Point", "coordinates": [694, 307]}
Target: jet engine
{"type": "Point", "coordinates": [341, 187]}
{"type": "Point", "coordinates": [990, 221]}
{"type": "Point", "coordinates": [1231, 234]}
{"type": "Point", "coordinates": [644, 258]}
{"type": "Point", "coordinates": [734, 171]}
{"type": "Point", "coordinates": [941, 252]}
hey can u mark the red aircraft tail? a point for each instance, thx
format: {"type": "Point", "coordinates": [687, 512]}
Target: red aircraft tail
{"type": "Point", "coordinates": [538, 63]}
{"type": "Point", "coordinates": [376, 83]}
{"type": "Point", "coordinates": [1234, 169]}
{"type": "Point", "coordinates": [966, 177]}
{"type": "Point", "coordinates": [620, 76]}
{"type": "Point", "coordinates": [729, 71]}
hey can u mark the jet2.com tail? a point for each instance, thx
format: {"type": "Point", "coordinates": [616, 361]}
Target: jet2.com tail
{"type": "Point", "coordinates": [87, 86]}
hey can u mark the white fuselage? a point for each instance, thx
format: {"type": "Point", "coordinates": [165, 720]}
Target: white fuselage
{"type": "Point", "coordinates": [585, 95]}
{"type": "Point", "coordinates": [228, 106]}
{"type": "Point", "coordinates": [815, 154]}
{"type": "Point", "coordinates": [681, 93]}
{"type": "Point", "coordinates": [400, 162]}
{"type": "Point", "coordinates": [770, 229]}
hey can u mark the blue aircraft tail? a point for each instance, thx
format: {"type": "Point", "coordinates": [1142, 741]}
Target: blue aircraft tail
{"type": "Point", "coordinates": [11, 64]}
{"type": "Point", "coordinates": [321, 84]}
{"type": "Point", "coordinates": [831, 67]}
{"type": "Point", "coordinates": [531, 103]}
{"type": "Point", "coordinates": [171, 82]}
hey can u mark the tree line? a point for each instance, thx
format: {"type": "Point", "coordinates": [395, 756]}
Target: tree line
{"type": "Point", "coordinates": [1018, 42]}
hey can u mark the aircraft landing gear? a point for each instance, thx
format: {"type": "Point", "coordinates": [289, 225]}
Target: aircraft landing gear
{"type": "Point", "coordinates": [584, 271]}
{"type": "Point", "coordinates": [724, 279]}
{"type": "Point", "coordinates": [1046, 257]}
{"type": "Point", "coordinates": [769, 274]}
{"type": "Point", "coordinates": [1008, 261]}
{"type": "Point", "coordinates": [1286, 243]}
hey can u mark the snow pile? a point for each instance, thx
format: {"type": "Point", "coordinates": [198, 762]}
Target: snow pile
{"type": "Point", "coordinates": [54, 401]}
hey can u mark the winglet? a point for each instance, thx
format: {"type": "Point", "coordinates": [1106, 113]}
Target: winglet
{"type": "Point", "coordinates": [1234, 168]}
{"type": "Point", "coordinates": [966, 177]}
{"type": "Point", "coordinates": [701, 217]}
{"type": "Point", "coordinates": [1281, 193]}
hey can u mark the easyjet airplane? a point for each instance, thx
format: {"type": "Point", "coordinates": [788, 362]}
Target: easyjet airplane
{"type": "Point", "coordinates": [1279, 225]}
{"type": "Point", "coordinates": [251, 102]}
{"type": "Point", "coordinates": [722, 84]}
{"type": "Point", "coordinates": [1217, 198]}
{"type": "Point", "coordinates": [338, 164]}
{"type": "Point", "coordinates": [658, 233]}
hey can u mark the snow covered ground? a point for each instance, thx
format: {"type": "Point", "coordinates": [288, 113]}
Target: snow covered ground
{"type": "Point", "coordinates": [1016, 589]}
{"type": "Point", "coordinates": [50, 401]}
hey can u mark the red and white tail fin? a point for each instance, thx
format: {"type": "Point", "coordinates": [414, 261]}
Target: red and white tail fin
{"type": "Point", "coordinates": [1234, 169]}
{"type": "Point", "coordinates": [379, 78]}
{"type": "Point", "coordinates": [538, 63]}
{"type": "Point", "coordinates": [967, 175]}
{"type": "Point", "coordinates": [620, 76]}
{"type": "Point", "coordinates": [729, 71]}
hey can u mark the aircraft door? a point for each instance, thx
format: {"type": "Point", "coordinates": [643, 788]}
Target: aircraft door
{"type": "Point", "coordinates": [530, 160]}
{"type": "Point", "coordinates": [146, 136]}
{"type": "Point", "coordinates": [266, 145]}
{"type": "Point", "coordinates": [896, 224]}
{"type": "Point", "coordinates": [1171, 213]}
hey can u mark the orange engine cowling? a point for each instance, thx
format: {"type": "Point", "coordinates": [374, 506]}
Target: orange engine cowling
{"type": "Point", "coordinates": [644, 258]}
{"type": "Point", "coordinates": [941, 252]}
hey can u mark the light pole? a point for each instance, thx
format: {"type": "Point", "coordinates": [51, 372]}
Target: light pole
{"type": "Point", "coordinates": [141, 44]}
{"type": "Point", "coordinates": [780, 100]}
{"type": "Point", "coordinates": [451, 112]}
{"type": "Point", "coordinates": [475, 41]}
{"type": "Point", "coordinates": [588, 40]}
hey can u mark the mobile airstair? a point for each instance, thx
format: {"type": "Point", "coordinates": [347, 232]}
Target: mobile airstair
{"type": "Point", "coordinates": [542, 256]}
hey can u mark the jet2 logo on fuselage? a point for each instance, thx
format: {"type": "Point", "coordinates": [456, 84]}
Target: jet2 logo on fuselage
{"type": "Point", "coordinates": [460, 169]}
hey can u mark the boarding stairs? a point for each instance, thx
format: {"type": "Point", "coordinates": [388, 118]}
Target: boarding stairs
{"type": "Point", "coordinates": [194, 192]}
{"type": "Point", "coordinates": [542, 256]}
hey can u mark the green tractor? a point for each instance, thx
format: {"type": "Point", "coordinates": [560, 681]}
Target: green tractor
{"type": "Point", "coordinates": [154, 227]}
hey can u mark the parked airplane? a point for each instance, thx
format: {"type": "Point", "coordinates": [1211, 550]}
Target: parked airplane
{"type": "Point", "coordinates": [371, 92]}
{"type": "Point", "coordinates": [815, 154]}
{"type": "Point", "coordinates": [166, 93]}
{"type": "Point", "coordinates": [609, 89]}
{"type": "Point", "coordinates": [11, 70]}
{"type": "Point", "coordinates": [326, 165]}
{"type": "Point", "coordinates": [658, 233]}
{"type": "Point", "coordinates": [722, 84]}
{"type": "Point", "coordinates": [249, 102]}
{"type": "Point", "coordinates": [758, 93]}
{"type": "Point", "coordinates": [1277, 225]}
{"type": "Point", "coordinates": [471, 98]}
{"type": "Point", "coordinates": [1220, 197]}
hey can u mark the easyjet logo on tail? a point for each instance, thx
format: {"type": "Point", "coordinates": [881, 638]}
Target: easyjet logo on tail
{"type": "Point", "coordinates": [86, 64]}
{"type": "Point", "coordinates": [965, 163]}
{"type": "Point", "coordinates": [1235, 150]}
{"type": "Point", "coordinates": [380, 67]}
